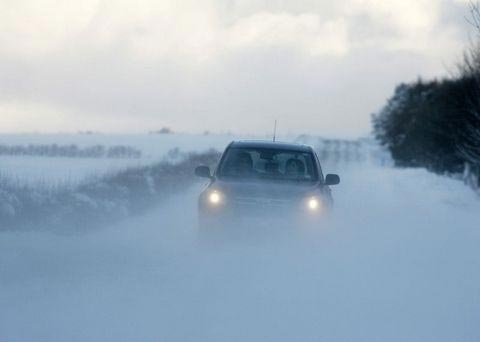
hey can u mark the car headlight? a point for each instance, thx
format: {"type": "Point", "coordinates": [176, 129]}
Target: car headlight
{"type": "Point", "coordinates": [314, 204]}
{"type": "Point", "coordinates": [214, 197]}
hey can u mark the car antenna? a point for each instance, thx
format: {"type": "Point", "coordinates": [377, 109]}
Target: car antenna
{"type": "Point", "coordinates": [274, 130]}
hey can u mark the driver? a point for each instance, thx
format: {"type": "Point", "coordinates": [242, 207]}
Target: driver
{"type": "Point", "coordinates": [244, 163]}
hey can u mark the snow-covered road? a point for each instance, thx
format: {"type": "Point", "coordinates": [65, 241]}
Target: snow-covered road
{"type": "Point", "coordinates": [399, 261]}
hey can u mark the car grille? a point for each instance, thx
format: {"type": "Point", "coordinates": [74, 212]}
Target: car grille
{"type": "Point", "coordinates": [260, 202]}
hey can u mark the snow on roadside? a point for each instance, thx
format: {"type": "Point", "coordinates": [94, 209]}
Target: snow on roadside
{"type": "Point", "coordinates": [399, 262]}
{"type": "Point", "coordinates": [98, 200]}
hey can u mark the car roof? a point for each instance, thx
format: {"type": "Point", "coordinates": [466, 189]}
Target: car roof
{"type": "Point", "coordinates": [270, 145]}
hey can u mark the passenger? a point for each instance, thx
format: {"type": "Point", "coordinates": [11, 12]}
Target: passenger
{"type": "Point", "coordinates": [294, 168]}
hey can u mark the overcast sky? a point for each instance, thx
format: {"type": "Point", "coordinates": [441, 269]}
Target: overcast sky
{"type": "Point", "coordinates": [221, 65]}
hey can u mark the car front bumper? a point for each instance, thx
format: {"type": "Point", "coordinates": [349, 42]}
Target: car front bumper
{"type": "Point", "coordinates": [260, 211]}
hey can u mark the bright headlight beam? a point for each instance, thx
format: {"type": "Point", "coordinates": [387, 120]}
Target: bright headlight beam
{"type": "Point", "coordinates": [214, 197]}
{"type": "Point", "coordinates": [313, 204]}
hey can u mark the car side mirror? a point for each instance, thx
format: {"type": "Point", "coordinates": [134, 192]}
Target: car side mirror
{"type": "Point", "coordinates": [332, 179]}
{"type": "Point", "coordinates": [203, 171]}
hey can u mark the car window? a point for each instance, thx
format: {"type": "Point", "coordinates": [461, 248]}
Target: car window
{"type": "Point", "coordinates": [268, 164]}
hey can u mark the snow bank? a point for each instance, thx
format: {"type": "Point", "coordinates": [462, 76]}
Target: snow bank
{"type": "Point", "coordinates": [99, 200]}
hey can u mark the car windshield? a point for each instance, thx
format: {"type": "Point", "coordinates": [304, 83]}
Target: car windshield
{"type": "Point", "coordinates": [265, 163]}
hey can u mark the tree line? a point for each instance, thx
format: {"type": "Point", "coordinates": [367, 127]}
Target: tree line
{"type": "Point", "coordinates": [436, 124]}
{"type": "Point", "coordinates": [71, 151]}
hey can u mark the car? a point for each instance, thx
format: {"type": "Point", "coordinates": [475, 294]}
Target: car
{"type": "Point", "coordinates": [265, 179]}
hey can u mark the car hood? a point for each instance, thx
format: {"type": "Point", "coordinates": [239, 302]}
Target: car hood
{"type": "Point", "coordinates": [266, 189]}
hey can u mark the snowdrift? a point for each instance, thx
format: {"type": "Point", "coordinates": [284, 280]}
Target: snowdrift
{"type": "Point", "coordinates": [99, 200]}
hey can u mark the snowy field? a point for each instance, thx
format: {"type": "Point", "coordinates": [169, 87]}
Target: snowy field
{"type": "Point", "coordinates": [34, 170]}
{"type": "Point", "coordinates": [398, 261]}
{"type": "Point", "coordinates": [63, 170]}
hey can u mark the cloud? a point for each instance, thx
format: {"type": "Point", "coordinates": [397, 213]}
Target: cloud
{"type": "Point", "coordinates": [41, 27]}
{"type": "Point", "coordinates": [305, 32]}
{"type": "Point", "coordinates": [153, 29]}
{"type": "Point", "coordinates": [321, 66]}
{"type": "Point", "coordinates": [411, 25]}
